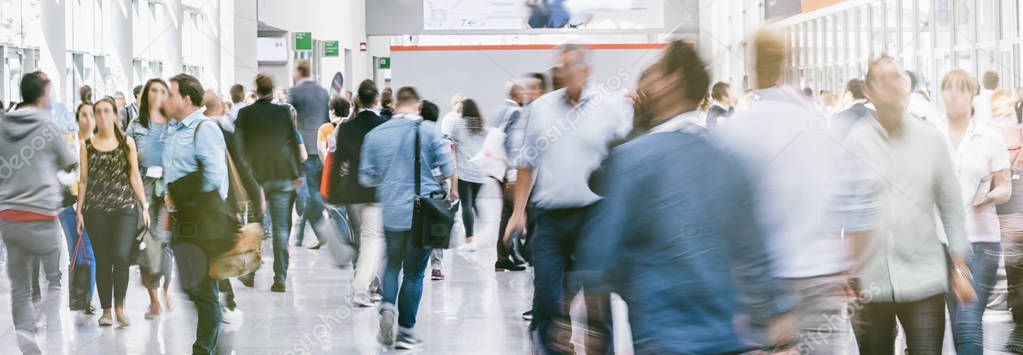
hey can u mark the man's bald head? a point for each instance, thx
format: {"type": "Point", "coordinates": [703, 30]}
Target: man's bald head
{"type": "Point", "coordinates": [214, 104]}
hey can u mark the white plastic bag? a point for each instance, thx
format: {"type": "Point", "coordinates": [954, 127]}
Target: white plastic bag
{"type": "Point", "coordinates": [492, 158]}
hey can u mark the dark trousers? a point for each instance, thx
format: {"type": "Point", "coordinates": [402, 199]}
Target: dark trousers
{"type": "Point", "coordinates": [206, 297]}
{"type": "Point", "coordinates": [552, 242]}
{"type": "Point", "coordinates": [467, 193]}
{"type": "Point", "coordinates": [404, 258]}
{"type": "Point", "coordinates": [923, 322]}
{"type": "Point", "coordinates": [113, 236]}
{"type": "Point", "coordinates": [507, 208]}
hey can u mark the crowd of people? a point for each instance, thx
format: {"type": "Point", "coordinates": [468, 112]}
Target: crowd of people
{"type": "Point", "coordinates": [777, 220]}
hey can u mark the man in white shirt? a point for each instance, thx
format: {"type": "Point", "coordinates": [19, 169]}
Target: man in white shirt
{"type": "Point", "coordinates": [982, 103]}
{"type": "Point", "coordinates": [776, 140]}
{"type": "Point", "coordinates": [566, 139]}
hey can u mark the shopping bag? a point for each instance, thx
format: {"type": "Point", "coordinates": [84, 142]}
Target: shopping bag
{"type": "Point", "coordinates": [492, 158]}
{"type": "Point", "coordinates": [149, 252]}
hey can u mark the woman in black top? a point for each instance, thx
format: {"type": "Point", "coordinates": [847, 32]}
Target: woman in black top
{"type": "Point", "coordinates": [109, 177]}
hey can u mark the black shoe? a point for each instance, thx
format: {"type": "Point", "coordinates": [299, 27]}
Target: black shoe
{"type": "Point", "coordinates": [505, 264]}
{"type": "Point", "coordinates": [90, 310]}
{"type": "Point", "coordinates": [277, 287]}
{"type": "Point", "coordinates": [527, 315]}
{"type": "Point", "coordinates": [247, 281]}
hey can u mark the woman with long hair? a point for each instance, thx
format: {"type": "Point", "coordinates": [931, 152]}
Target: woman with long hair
{"type": "Point", "coordinates": [149, 131]}
{"type": "Point", "coordinates": [468, 135]}
{"type": "Point", "coordinates": [981, 162]}
{"type": "Point", "coordinates": [82, 275]}
{"type": "Point", "coordinates": [109, 177]}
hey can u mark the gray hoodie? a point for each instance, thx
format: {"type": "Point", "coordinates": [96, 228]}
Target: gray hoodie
{"type": "Point", "coordinates": [32, 151]}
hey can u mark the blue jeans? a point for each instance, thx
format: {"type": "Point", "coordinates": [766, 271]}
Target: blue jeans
{"type": "Point", "coordinates": [552, 242]}
{"type": "Point", "coordinates": [206, 297]}
{"type": "Point", "coordinates": [967, 322]}
{"type": "Point", "coordinates": [310, 203]}
{"type": "Point", "coordinates": [69, 222]}
{"type": "Point", "coordinates": [410, 260]}
{"type": "Point", "coordinates": [278, 194]}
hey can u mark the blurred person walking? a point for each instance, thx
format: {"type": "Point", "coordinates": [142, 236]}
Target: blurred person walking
{"type": "Point", "coordinates": [894, 179]}
{"type": "Point", "coordinates": [30, 198]}
{"type": "Point", "coordinates": [312, 103]}
{"type": "Point", "coordinates": [981, 162]}
{"type": "Point", "coordinates": [634, 237]}
{"type": "Point", "coordinates": [507, 118]}
{"type": "Point", "coordinates": [722, 104]}
{"type": "Point", "coordinates": [776, 140]}
{"type": "Point", "coordinates": [195, 168]}
{"type": "Point", "coordinates": [431, 113]}
{"type": "Point", "coordinates": [982, 102]}
{"type": "Point", "coordinates": [584, 122]}
{"type": "Point", "coordinates": [363, 206]}
{"type": "Point", "coordinates": [80, 253]}
{"type": "Point", "coordinates": [844, 120]}
{"type": "Point", "coordinates": [1010, 220]}
{"type": "Point", "coordinates": [271, 148]}
{"type": "Point", "coordinates": [237, 101]}
{"type": "Point", "coordinates": [387, 162]}
{"type": "Point", "coordinates": [468, 134]}
{"type": "Point", "coordinates": [149, 131]}
{"type": "Point", "coordinates": [107, 208]}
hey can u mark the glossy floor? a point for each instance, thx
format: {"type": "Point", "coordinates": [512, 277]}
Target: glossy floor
{"type": "Point", "coordinates": [473, 311]}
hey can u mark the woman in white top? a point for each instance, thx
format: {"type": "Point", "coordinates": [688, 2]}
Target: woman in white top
{"type": "Point", "coordinates": [981, 162]}
{"type": "Point", "coordinates": [468, 134]}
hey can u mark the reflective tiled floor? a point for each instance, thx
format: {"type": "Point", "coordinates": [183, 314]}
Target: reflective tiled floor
{"type": "Point", "coordinates": [473, 311]}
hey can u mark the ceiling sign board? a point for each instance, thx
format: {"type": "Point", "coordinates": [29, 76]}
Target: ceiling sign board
{"type": "Point", "coordinates": [512, 15]}
{"type": "Point", "coordinates": [303, 41]}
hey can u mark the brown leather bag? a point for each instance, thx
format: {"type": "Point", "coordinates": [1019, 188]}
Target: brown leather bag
{"type": "Point", "coordinates": [247, 254]}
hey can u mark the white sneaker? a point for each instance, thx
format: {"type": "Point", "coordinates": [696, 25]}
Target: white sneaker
{"type": "Point", "coordinates": [363, 299]}
{"type": "Point", "coordinates": [234, 317]}
{"type": "Point", "coordinates": [469, 247]}
{"type": "Point", "coordinates": [388, 326]}
{"type": "Point", "coordinates": [407, 341]}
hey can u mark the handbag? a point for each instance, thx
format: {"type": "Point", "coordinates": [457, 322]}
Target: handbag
{"type": "Point", "coordinates": [432, 218]}
{"type": "Point", "coordinates": [247, 255]}
{"type": "Point", "coordinates": [148, 252]}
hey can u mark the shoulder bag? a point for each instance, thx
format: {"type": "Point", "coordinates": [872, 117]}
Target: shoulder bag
{"type": "Point", "coordinates": [245, 254]}
{"type": "Point", "coordinates": [432, 218]}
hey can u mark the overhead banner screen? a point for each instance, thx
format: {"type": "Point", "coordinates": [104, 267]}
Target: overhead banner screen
{"type": "Point", "coordinates": [505, 15]}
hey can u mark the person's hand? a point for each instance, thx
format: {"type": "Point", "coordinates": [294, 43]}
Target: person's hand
{"type": "Point", "coordinates": [167, 202]}
{"type": "Point", "coordinates": [145, 218]}
{"type": "Point", "coordinates": [962, 286]}
{"type": "Point", "coordinates": [81, 222]}
{"type": "Point", "coordinates": [516, 223]}
{"type": "Point", "coordinates": [782, 330]}
{"type": "Point", "coordinates": [986, 201]}
{"type": "Point", "coordinates": [454, 194]}
{"type": "Point", "coordinates": [296, 183]}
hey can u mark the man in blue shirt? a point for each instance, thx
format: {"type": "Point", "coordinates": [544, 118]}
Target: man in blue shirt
{"type": "Point", "coordinates": [195, 167]}
{"type": "Point", "coordinates": [387, 163]}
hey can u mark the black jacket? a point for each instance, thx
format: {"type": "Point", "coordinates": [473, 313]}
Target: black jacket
{"type": "Point", "coordinates": [268, 141]}
{"type": "Point", "coordinates": [345, 170]}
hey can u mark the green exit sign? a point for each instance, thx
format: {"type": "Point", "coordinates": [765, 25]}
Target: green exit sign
{"type": "Point", "coordinates": [385, 63]}
{"type": "Point", "coordinates": [303, 41]}
{"type": "Point", "coordinates": [331, 48]}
